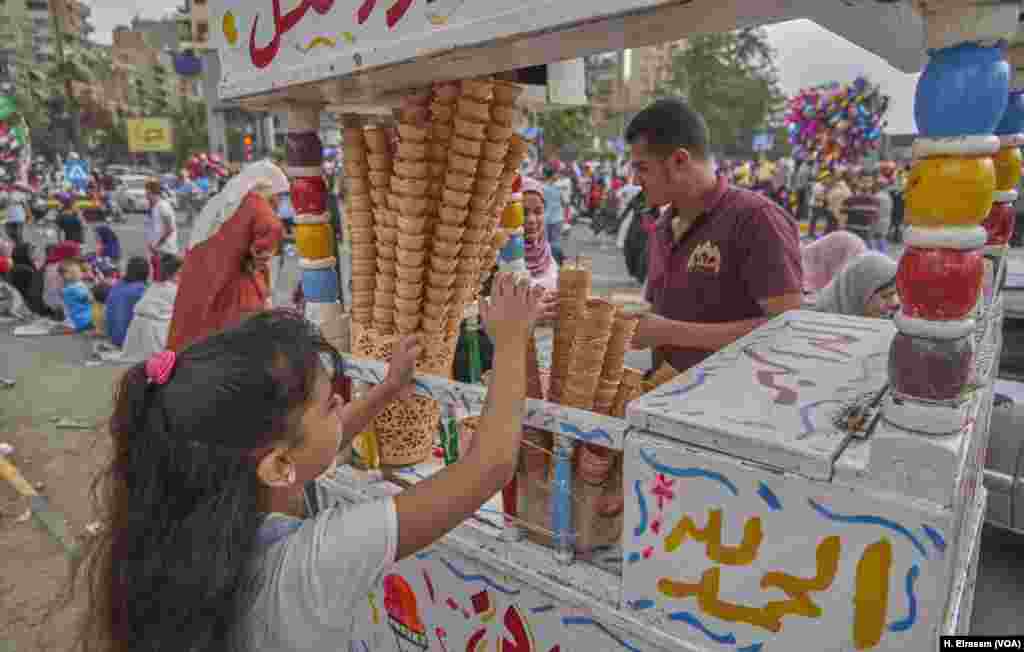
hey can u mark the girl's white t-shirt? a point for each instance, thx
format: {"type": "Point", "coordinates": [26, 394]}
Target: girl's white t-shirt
{"type": "Point", "coordinates": [316, 573]}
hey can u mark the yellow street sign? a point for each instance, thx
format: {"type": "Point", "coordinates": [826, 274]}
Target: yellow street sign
{"type": "Point", "coordinates": [150, 135]}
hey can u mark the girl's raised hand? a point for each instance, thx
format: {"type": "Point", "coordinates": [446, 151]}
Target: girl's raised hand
{"type": "Point", "coordinates": [514, 306]}
{"type": "Point", "coordinates": [402, 367]}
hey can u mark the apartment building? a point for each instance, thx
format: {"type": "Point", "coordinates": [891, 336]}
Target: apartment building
{"type": "Point", "coordinates": [624, 82]}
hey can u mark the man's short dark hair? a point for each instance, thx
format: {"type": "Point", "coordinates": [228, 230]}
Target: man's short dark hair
{"type": "Point", "coordinates": [668, 125]}
{"type": "Point", "coordinates": [169, 266]}
{"type": "Point", "coordinates": [137, 270]}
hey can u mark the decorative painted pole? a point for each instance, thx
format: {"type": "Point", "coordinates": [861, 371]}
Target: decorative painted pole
{"type": "Point", "coordinates": [960, 99]}
{"type": "Point", "coordinates": [314, 234]}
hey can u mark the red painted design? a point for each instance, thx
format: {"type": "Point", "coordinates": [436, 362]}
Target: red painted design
{"type": "Point", "coordinates": [517, 626]}
{"type": "Point", "coordinates": [476, 639]}
{"type": "Point", "coordinates": [364, 11]}
{"type": "Point", "coordinates": [785, 395]}
{"type": "Point", "coordinates": [452, 604]}
{"type": "Point", "coordinates": [430, 586]}
{"type": "Point", "coordinates": [397, 11]}
{"type": "Point", "coordinates": [481, 602]}
{"type": "Point", "coordinates": [263, 56]}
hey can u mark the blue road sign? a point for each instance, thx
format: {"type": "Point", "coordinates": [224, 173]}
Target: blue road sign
{"type": "Point", "coordinates": [76, 171]}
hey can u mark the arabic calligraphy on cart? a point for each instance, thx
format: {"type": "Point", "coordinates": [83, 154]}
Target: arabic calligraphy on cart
{"type": "Point", "coordinates": [871, 596]}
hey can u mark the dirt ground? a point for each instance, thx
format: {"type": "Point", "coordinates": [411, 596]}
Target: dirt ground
{"type": "Point", "coordinates": [52, 384]}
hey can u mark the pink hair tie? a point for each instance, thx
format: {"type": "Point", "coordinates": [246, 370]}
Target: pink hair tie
{"type": "Point", "coordinates": [160, 367]}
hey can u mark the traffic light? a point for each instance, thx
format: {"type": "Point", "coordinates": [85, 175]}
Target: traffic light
{"type": "Point", "coordinates": [247, 141]}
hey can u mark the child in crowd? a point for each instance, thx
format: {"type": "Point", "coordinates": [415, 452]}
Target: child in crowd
{"type": "Point", "coordinates": [77, 298]}
{"type": "Point", "coordinates": [53, 283]}
{"type": "Point", "coordinates": [223, 528]}
{"type": "Point", "coordinates": [147, 331]}
{"type": "Point", "coordinates": [123, 297]}
{"type": "Point", "coordinates": [865, 287]}
{"type": "Point", "coordinates": [100, 292]}
{"type": "Point", "coordinates": [823, 258]}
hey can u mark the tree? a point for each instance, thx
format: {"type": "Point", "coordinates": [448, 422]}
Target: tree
{"type": "Point", "coordinates": [731, 79]}
{"type": "Point", "coordinates": [565, 128]}
{"type": "Point", "coordinates": [190, 133]}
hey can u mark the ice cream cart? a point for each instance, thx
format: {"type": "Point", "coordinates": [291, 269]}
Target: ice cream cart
{"type": "Point", "coordinates": [816, 485]}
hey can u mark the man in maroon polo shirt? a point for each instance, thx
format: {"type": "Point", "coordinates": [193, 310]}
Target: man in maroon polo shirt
{"type": "Point", "coordinates": [722, 260]}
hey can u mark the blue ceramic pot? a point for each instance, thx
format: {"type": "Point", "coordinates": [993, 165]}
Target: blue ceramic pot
{"type": "Point", "coordinates": [963, 91]}
{"type": "Point", "coordinates": [320, 285]}
{"type": "Point", "coordinates": [1013, 117]}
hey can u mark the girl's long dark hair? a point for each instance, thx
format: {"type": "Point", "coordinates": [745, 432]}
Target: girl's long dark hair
{"type": "Point", "coordinates": [179, 500]}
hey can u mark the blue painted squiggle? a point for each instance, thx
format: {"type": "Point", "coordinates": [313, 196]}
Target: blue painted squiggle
{"type": "Point", "coordinates": [581, 620]}
{"type": "Point", "coordinates": [640, 605]}
{"type": "Point", "coordinates": [588, 436]}
{"type": "Point", "coordinates": [805, 416]}
{"type": "Point", "coordinates": [543, 609]}
{"type": "Point", "coordinates": [689, 472]}
{"type": "Point", "coordinates": [768, 496]}
{"type": "Point", "coordinates": [870, 520]}
{"type": "Point", "coordinates": [936, 537]}
{"type": "Point", "coordinates": [908, 622]}
{"type": "Point", "coordinates": [478, 578]}
{"type": "Point", "coordinates": [642, 526]}
{"type": "Point", "coordinates": [701, 377]}
{"type": "Point", "coordinates": [691, 620]}
{"type": "Point", "coordinates": [755, 647]}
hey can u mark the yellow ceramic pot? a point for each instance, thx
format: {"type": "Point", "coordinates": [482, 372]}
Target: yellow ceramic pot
{"type": "Point", "coordinates": [1008, 162]}
{"type": "Point", "coordinates": [513, 216]}
{"type": "Point", "coordinates": [314, 241]}
{"type": "Point", "coordinates": [950, 191]}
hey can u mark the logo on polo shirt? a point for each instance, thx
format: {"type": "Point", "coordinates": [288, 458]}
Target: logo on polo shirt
{"type": "Point", "coordinates": [706, 258]}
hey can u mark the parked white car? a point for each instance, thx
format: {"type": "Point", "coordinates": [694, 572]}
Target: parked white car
{"type": "Point", "coordinates": [130, 194]}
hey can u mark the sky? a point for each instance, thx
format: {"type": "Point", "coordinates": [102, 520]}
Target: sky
{"type": "Point", "coordinates": [834, 57]}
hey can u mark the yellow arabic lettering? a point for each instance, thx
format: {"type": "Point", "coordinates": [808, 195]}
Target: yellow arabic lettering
{"type": "Point", "coordinates": [770, 616]}
{"type": "Point", "coordinates": [871, 598]}
{"type": "Point", "coordinates": [741, 555]}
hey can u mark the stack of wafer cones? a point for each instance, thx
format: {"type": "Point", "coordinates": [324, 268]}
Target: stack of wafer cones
{"type": "Point", "coordinates": [623, 329]}
{"type": "Point", "coordinates": [574, 282]}
{"type": "Point", "coordinates": [534, 386]}
{"type": "Point", "coordinates": [662, 375]}
{"type": "Point", "coordinates": [590, 345]}
{"type": "Point", "coordinates": [359, 225]}
{"type": "Point", "coordinates": [631, 387]}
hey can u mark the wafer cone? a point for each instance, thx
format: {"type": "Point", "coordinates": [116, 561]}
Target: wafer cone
{"type": "Point", "coordinates": [386, 282]}
{"type": "Point", "coordinates": [664, 374]}
{"type": "Point", "coordinates": [363, 282]}
{"type": "Point", "coordinates": [435, 310]}
{"type": "Point", "coordinates": [453, 216]}
{"type": "Point", "coordinates": [408, 291]}
{"type": "Point", "coordinates": [466, 146]}
{"type": "Point", "coordinates": [356, 168]}
{"type": "Point", "coordinates": [379, 180]}
{"type": "Point", "coordinates": [439, 296]}
{"type": "Point", "coordinates": [441, 132]}
{"type": "Point", "coordinates": [506, 93]}
{"type": "Point", "coordinates": [411, 169]}
{"type": "Point", "coordinates": [479, 219]}
{"type": "Point", "coordinates": [362, 235]}
{"type": "Point", "coordinates": [431, 325]}
{"type": "Point", "coordinates": [409, 187]}
{"type": "Point", "coordinates": [446, 93]}
{"type": "Point", "coordinates": [443, 265]}
{"type": "Point", "coordinates": [362, 298]}
{"type": "Point", "coordinates": [623, 330]}
{"type": "Point", "coordinates": [412, 225]}
{"type": "Point", "coordinates": [358, 184]}
{"type": "Point", "coordinates": [490, 169]}
{"type": "Point", "coordinates": [407, 324]}
{"type": "Point", "coordinates": [474, 235]}
{"type": "Point", "coordinates": [359, 218]}
{"type": "Point", "coordinates": [412, 274]}
{"type": "Point", "coordinates": [470, 129]}
{"type": "Point", "coordinates": [459, 181]}
{"type": "Point", "coordinates": [448, 233]}
{"type": "Point", "coordinates": [407, 306]}
{"type": "Point", "coordinates": [456, 198]}
{"type": "Point", "coordinates": [445, 250]}
{"type": "Point", "coordinates": [376, 140]}
{"type": "Point", "coordinates": [462, 164]}
{"type": "Point", "coordinates": [481, 201]}
{"type": "Point", "coordinates": [503, 115]}
{"type": "Point", "coordinates": [412, 133]}
{"type": "Point", "coordinates": [437, 169]}
{"type": "Point", "coordinates": [379, 198]}
{"type": "Point", "coordinates": [386, 234]}
{"type": "Point", "coordinates": [437, 152]}
{"type": "Point", "coordinates": [411, 258]}
{"type": "Point", "coordinates": [442, 112]}
{"type": "Point", "coordinates": [469, 108]}
{"type": "Point", "coordinates": [386, 266]}
{"type": "Point", "coordinates": [364, 266]}
{"type": "Point", "coordinates": [379, 162]}
{"type": "Point", "coordinates": [495, 151]}
{"type": "Point", "coordinates": [440, 279]}
{"type": "Point", "coordinates": [386, 250]}
{"type": "Point", "coordinates": [412, 242]}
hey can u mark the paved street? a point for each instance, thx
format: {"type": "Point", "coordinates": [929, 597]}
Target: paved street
{"type": "Point", "coordinates": [54, 383]}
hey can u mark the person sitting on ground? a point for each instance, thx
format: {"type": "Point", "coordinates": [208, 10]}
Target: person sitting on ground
{"type": "Point", "coordinates": [69, 221]}
{"type": "Point", "coordinates": [26, 278]}
{"type": "Point", "coordinates": [222, 472]}
{"type": "Point", "coordinates": [53, 283]}
{"type": "Point", "coordinates": [823, 258]}
{"type": "Point", "coordinates": [226, 275]}
{"type": "Point", "coordinates": [147, 332]}
{"type": "Point", "coordinates": [100, 294]}
{"type": "Point", "coordinates": [123, 298]}
{"type": "Point", "coordinates": [865, 287]}
{"type": "Point", "coordinates": [108, 245]}
{"type": "Point", "coordinates": [76, 296]}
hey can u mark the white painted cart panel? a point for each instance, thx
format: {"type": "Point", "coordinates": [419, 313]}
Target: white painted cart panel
{"type": "Point", "coordinates": [770, 396]}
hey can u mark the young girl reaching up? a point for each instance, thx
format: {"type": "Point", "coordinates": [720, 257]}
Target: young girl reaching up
{"type": "Point", "coordinates": [218, 534]}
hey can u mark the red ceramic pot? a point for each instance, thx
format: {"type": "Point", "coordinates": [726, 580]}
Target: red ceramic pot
{"type": "Point", "coordinates": [933, 370]}
{"type": "Point", "coordinates": [939, 284]}
{"type": "Point", "coordinates": [309, 195]}
{"type": "Point", "coordinates": [1000, 223]}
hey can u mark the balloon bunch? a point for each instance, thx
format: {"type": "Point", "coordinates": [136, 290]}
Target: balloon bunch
{"type": "Point", "coordinates": [836, 125]}
{"type": "Point", "coordinates": [207, 166]}
{"type": "Point", "coordinates": [14, 149]}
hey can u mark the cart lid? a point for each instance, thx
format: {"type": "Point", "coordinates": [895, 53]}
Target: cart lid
{"type": "Point", "coordinates": [772, 396]}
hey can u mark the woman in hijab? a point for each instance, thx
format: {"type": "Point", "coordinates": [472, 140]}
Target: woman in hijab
{"type": "Point", "coordinates": [226, 271]}
{"type": "Point", "coordinates": [865, 287]}
{"type": "Point", "coordinates": [823, 258]}
{"type": "Point", "coordinates": [539, 258]}
{"type": "Point", "coordinates": [53, 282]}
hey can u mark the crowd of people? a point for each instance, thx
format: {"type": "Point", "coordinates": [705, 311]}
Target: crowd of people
{"type": "Point", "coordinates": [237, 403]}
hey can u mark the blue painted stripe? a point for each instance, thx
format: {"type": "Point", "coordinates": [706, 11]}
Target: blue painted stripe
{"type": "Point", "coordinates": [587, 436]}
{"type": "Point", "coordinates": [581, 620]}
{"type": "Point", "coordinates": [766, 494]}
{"type": "Point", "coordinates": [870, 520]}
{"type": "Point", "coordinates": [642, 526]}
{"type": "Point", "coordinates": [633, 557]}
{"type": "Point", "coordinates": [936, 537]}
{"type": "Point", "coordinates": [908, 622]}
{"type": "Point", "coordinates": [478, 578]}
{"type": "Point", "coordinates": [755, 647]}
{"type": "Point", "coordinates": [692, 472]}
{"type": "Point", "coordinates": [640, 605]}
{"type": "Point", "coordinates": [692, 621]}
{"type": "Point", "coordinates": [543, 609]}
